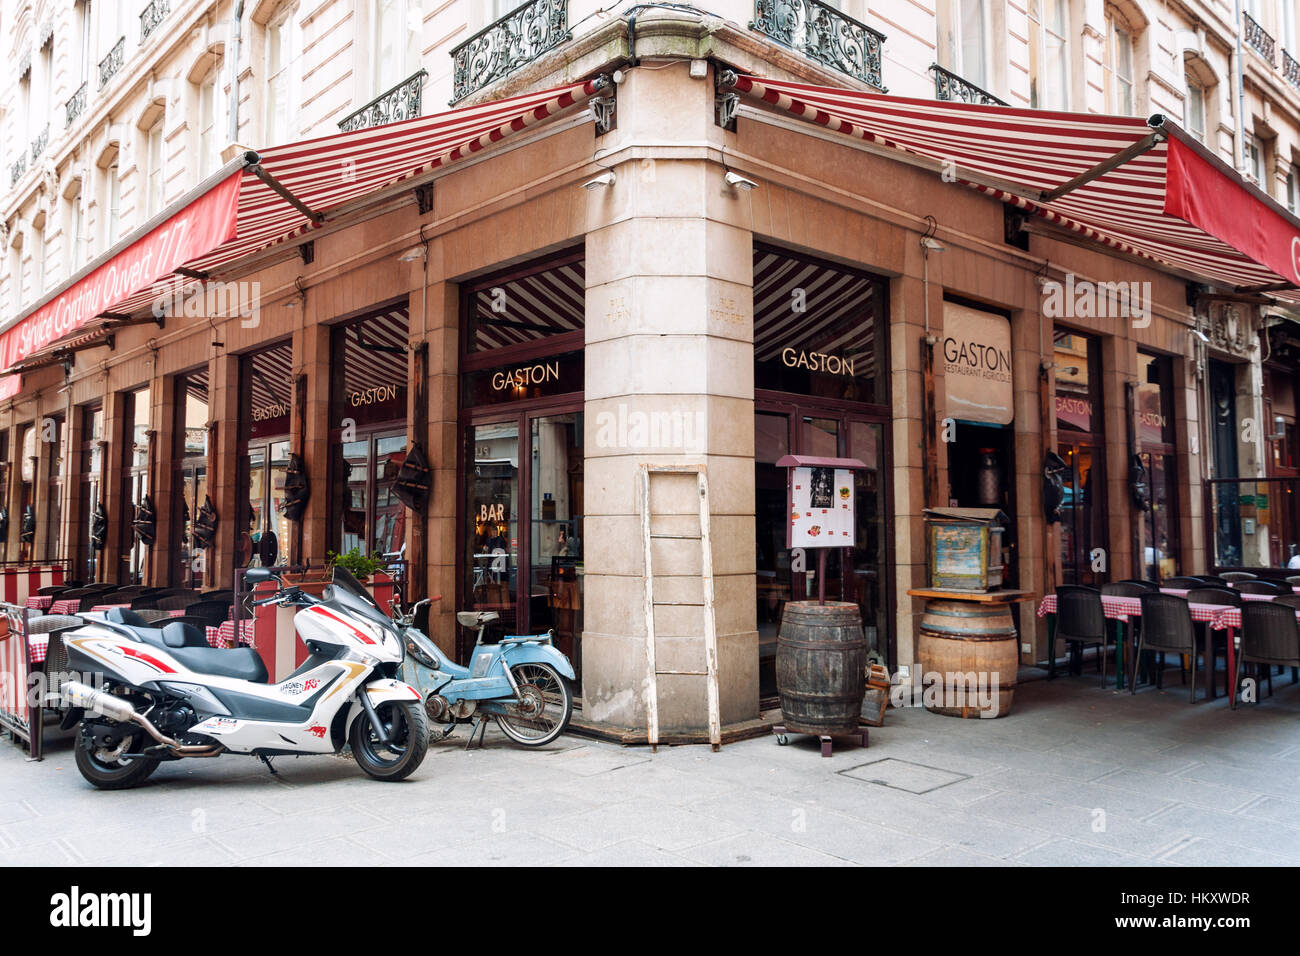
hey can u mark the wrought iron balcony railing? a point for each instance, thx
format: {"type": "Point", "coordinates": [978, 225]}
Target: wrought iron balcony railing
{"type": "Point", "coordinates": [1257, 38]}
{"type": "Point", "coordinates": [109, 66]}
{"type": "Point", "coordinates": [950, 86]}
{"type": "Point", "coordinates": [153, 15]}
{"type": "Point", "coordinates": [38, 144]}
{"type": "Point", "coordinates": [76, 104]}
{"type": "Point", "coordinates": [515, 40]}
{"type": "Point", "coordinates": [823, 34]}
{"type": "Point", "coordinates": [400, 103]}
{"type": "Point", "coordinates": [1290, 69]}
{"type": "Point", "coordinates": [18, 168]}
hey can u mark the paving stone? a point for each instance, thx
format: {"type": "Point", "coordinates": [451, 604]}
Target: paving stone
{"type": "Point", "coordinates": [758, 849]}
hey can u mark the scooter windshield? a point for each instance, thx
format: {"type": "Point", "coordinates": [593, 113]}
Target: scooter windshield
{"type": "Point", "coordinates": [351, 595]}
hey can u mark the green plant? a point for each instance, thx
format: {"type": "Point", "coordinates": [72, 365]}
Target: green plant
{"type": "Point", "coordinates": [356, 563]}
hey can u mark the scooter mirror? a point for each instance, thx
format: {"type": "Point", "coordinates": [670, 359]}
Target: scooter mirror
{"type": "Point", "coordinates": [259, 575]}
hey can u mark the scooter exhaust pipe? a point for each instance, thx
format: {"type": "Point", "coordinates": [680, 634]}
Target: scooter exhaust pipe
{"type": "Point", "coordinates": [76, 694]}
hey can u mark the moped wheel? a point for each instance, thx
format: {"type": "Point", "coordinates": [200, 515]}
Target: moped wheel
{"type": "Point", "coordinates": [107, 769]}
{"type": "Point", "coordinates": [546, 709]}
{"type": "Point", "coordinates": [408, 740]}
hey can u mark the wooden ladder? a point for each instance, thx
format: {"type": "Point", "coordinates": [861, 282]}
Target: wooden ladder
{"type": "Point", "coordinates": [710, 673]}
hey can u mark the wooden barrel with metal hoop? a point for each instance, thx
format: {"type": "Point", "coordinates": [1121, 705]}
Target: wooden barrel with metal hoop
{"type": "Point", "coordinates": [969, 651]}
{"type": "Point", "coordinates": [821, 663]}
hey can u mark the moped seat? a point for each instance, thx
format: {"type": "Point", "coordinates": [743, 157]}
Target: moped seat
{"type": "Point", "coordinates": [475, 618]}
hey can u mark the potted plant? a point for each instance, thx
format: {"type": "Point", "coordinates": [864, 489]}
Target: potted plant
{"type": "Point", "coordinates": [359, 565]}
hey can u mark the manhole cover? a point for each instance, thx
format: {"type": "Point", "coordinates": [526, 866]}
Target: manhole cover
{"type": "Point", "coordinates": [904, 775]}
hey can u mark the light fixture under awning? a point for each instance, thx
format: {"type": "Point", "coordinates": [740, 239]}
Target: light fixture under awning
{"type": "Point", "coordinates": [1143, 187]}
{"type": "Point", "coordinates": [281, 193]}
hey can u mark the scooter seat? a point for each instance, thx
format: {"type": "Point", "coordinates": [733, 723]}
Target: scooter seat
{"type": "Point", "coordinates": [240, 663]}
{"type": "Point", "coordinates": [474, 618]}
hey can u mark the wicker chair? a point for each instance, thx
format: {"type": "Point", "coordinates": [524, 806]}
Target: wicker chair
{"type": "Point", "coordinates": [1258, 587]}
{"type": "Point", "coordinates": [1144, 585]}
{"type": "Point", "coordinates": [144, 602]}
{"type": "Point", "coordinates": [1215, 596]}
{"type": "Point", "coordinates": [1270, 634]}
{"type": "Point", "coordinates": [1080, 622]}
{"type": "Point", "coordinates": [1182, 583]}
{"type": "Point", "coordinates": [214, 612]}
{"type": "Point", "coordinates": [1124, 589]}
{"type": "Point", "coordinates": [1292, 600]}
{"type": "Point", "coordinates": [55, 667]}
{"type": "Point", "coordinates": [152, 614]}
{"type": "Point", "coordinates": [176, 602]}
{"type": "Point", "coordinates": [1294, 581]}
{"type": "Point", "coordinates": [52, 622]}
{"type": "Point", "coordinates": [1213, 580]}
{"type": "Point", "coordinates": [1166, 627]}
{"type": "Point", "coordinates": [1234, 576]}
{"type": "Point", "coordinates": [1219, 639]}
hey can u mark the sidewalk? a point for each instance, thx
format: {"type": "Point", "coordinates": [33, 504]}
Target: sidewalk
{"type": "Point", "coordinates": [1077, 775]}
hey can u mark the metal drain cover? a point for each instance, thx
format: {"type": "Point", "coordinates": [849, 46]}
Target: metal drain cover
{"type": "Point", "coordinates": [904, 775]}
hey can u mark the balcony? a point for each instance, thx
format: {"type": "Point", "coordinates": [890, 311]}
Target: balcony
{"type": "Point", "coordinates": [1255, 36]}
{"type": "Point", "coordinates": [39, 143]}
{"type": "Point", "coordinates": [515, 40]}
{"type": "Point", "coordinates": [823, 34]}
{"type": "Point", "coordinates": [109, 66]}
{"type": "Point", "coordinates": [402, 102]}
{"type": "Point", "coordinates": [153, 15]}
{"type": "Point", "coordinates": [76, 105]}
{"type": "Point", "coordinates": [18, 168]}
{"type": "Point", "coordinates": [950, 86]}
{"type": "Point", "coordinates": [1290, 69]}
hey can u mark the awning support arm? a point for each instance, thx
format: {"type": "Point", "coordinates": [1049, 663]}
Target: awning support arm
{"type": "Point", "coordinates": [1157, 135]}
{"type": "Point", "coordinates": [278, 188]}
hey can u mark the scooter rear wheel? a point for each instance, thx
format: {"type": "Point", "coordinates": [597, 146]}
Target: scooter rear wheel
{"type": "Point", "coordinates": [106, 773]}
{"type": "Point", "coordinates": [408, 730]}
{"type": "Point", "coordinates": [551, 703]}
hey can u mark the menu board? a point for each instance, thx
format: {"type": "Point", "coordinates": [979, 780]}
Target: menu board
{"type": "Point", "coordinates": [821, 508]}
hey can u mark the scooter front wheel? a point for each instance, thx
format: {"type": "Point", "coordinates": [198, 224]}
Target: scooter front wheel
{"type": "Point", "coordinates": [545, 709]}
{"type": "Point", "coordinates": [408, 740]}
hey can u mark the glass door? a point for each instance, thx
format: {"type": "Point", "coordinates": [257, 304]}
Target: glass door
{"type": "Point", "coordinates": [1083, 518]}
{"type": "Point", "coordinates": [267, 539]}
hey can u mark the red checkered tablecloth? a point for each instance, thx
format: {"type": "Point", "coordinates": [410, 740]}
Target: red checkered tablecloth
{"type": "Point", "coordinates": [1123, 608]}
{"type": "Point", "coordinates": [108, 607]}
{"type": "Point", "coordinates": [40, 602]}
{"type": "Point", "coordinates": [224, 636]}
{"type": "Point", "coordinates": [36, 648]}
{"type": "Point", "coordinates": [65, 606]}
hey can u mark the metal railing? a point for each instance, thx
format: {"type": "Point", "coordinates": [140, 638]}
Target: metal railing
{"type": "Point", "coordinates": [515, 40]}
{"type": "Point", "coordinates": [1290, 69]}
{"type": "Point", "coordinates": [950, 86]}
{"type": "Point", "coordinates": [18, 168]}
{"type": "Point", "coordinates": [402, 102]}
{"type": "Point", "coordinates": [76, 104]}
{"type": "Point", "coordinates": [109, 66]}
{"type": "Point", "coordinates": [40, 142]}
{"type": "Point", "coordinates": [823, 34]}
{"type": "Point", "coordinates": [151, 16]}
{"type": "Point", "coordinates": [1257, 38]}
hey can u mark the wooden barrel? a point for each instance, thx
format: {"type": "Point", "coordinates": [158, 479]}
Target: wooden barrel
{"type": "Point", "coordinates": [821, 664]}
{"type": "Point", "coordinates": [968, 654]}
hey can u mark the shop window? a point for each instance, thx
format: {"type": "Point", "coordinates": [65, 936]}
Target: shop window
{"type": "Point", "coordinates": [1159, 526]}
{"type": "Point", "coordinates": [191, 479]}
{"type": "Point", "coordinates": [521, 547]}
{"type": "Point", "coordinates": [91, 490]}
{"type": "Point", "coordinates": [135, 483]}
{"type": "Point", "coordinates": [369, 399]}
{"type": "Point", "coordinates": [4, 491]}
{"type": "Point", "coordinates": [27, 491]}
{"type": "Point", "coordinates": [54, 437]}
{"type": "Point", "coordinates": [266, 390]}
{"type": "Point", "coordinates": [1081, 443]}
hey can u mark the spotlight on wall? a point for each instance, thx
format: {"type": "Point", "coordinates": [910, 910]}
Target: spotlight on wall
{"type": "Point", "coordinates": [1199, 334]}
{"type": "Point", "coordinates": [930, 244]}
{"type": "Point", "coordinates": [604, 179]}
{"type": "Point", "coordinates": [413, 254]}
{"type": "Point", "coordinates": [737, 181]}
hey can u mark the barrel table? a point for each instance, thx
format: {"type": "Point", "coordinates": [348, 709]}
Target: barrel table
{"type": "Point", "coordinates": [968, 652]}
{"type": "Point", "coordinates": [821, 664]}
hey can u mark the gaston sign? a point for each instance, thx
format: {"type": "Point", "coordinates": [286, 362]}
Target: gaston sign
{"type": "Point", "coordinates": [197, 229]}
{"type": "Point", "coordinates": [974, 357]}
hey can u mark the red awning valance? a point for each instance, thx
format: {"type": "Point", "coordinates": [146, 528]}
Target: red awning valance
{"type": "Point", "coordinates": [246, 213]}
{"type": "Point", "coordinates": [1143, 187]}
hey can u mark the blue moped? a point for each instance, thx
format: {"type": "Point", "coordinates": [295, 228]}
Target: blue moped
{"type": "Point", "coordinates": [522, 682]}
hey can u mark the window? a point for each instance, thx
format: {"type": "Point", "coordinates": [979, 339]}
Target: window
{"type": "Point", "coordinates": [1291, 189]}
{"type": "Point", "coordinates": [110, 16]}
{"type": "Point", "coordinates": [963, 39]}
{"type": "Point", "coordinates": [38, 256]}
{"type": "Point", "coordinates": [1288, 26]}
{"type": "Point", "coordinates": [279, 60]}
{"type": "Point", "coordinates": [208, 125]}
{"type": "Point", "coordinates": [154, 169]}
{"type": "Point", "coordinates": [1254, 159]}
{"type": "Point", "coordinates": [86, 40]}
{"type": "Point", "coordinates": [112, 205]}
{"type": "Point", "coordinates": [54, 466]}
{"type": "Point", "coordinates": [1194, 110]}
{"type": "Point", "coordinates": [45, 87]}
{"type": "Point", "coordinates": [75, 243]}
{"type": "Point", "coordinates": [395, 45]}
{"type": "Point", "coordinates": [1119, 65]}
{"type": "Point", "coordinates": [1049, 62]}
{"type": "Point", "coordinates": [27, 120]}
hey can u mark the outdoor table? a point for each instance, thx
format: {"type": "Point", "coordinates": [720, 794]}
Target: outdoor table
{"type": "Point", "coordinates": [37, 646]}
{"type": "Point", "coordinates": [40, 602]}
{"type": "Point", "coordinates": [1123, 609]}
{"type": "Point", "coordinates": [224, 636]}
{"type": "Point", "coordinates": [109, 607]}
{"type": "Point", "coordinates": [65, 606]}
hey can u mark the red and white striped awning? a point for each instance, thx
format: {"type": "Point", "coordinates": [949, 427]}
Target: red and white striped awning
{"type": "Point", "coordinates": [1169, 200]}
{"type": "Point", "coordinates": [324, 175]}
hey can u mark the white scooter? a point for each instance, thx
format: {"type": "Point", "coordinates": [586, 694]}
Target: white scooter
{"type": "Point", "coordinates": [167, 694]}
